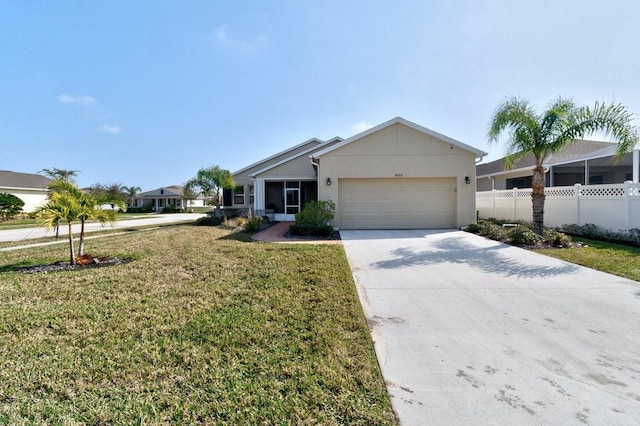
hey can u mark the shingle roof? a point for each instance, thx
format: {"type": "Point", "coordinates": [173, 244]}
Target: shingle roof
{"type": "Point", "coordinates": [22, 180]}
{"type": "Point", "coordinates": [577, 150]}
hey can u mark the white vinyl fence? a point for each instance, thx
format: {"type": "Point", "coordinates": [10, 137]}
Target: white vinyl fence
{"type": "Point", "coordinates": [611, 207]}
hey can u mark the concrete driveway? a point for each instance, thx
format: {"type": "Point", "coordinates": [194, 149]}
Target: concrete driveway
{"type": "Point", "coordinates": [470, 331]}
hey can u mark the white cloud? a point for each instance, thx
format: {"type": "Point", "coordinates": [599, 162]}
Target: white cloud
{"type": "Point", "coordinates": [361, 127]}
{"type": "Point", "coordinates": [113, 130]}
{"type": "Point", "coordinates": [223, 37]}
{"type": "Point", "coordinates": [77, 100]}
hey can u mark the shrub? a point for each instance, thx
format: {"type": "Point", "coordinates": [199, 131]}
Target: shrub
{"type": "Point", "coordinates": [523, 236]}
{"type": "Point", "coordinates": [172, 209]}
{"type": "Point", "coordinates": [252, 224]}
{"type": "Point", "coordinates": [316, 213]}
{"type": "Point", "coordinates": [208, 221]}
{"type": "Point", "coordinates": [10, 206]}
{"type": "Point", "coordinates": [556, 238]}
{"type": "Point", "coordinates": [474, 228]}
{"type": "Point", "coordinates": [305, 230]}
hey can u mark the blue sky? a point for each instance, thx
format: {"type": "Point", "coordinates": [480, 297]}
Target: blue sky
{"type": "Point", "coordinates": [144, 93]}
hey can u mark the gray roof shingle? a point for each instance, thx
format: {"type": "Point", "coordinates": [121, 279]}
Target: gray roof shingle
{"type": "Point", "coordinates": [22, 180]}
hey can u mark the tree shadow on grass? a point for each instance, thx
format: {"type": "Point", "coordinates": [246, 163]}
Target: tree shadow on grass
{"type": "Point", "coordinates": [487, 259]}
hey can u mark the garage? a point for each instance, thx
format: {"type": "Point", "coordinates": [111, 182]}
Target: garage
{"type": "Point", "coordinates": [397, 203]}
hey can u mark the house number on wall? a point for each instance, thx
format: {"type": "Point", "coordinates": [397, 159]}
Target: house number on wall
{"type": "Point", "coordinates": [398, 175]}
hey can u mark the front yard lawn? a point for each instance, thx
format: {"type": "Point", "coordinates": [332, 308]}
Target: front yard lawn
{"type": "Point", "coordinates": [617, 259]}
{"type": "Point", "coordinates": [198, 328]}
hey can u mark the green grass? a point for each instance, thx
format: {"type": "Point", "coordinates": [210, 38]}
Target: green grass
{"type": "Point", "coordinates": [199, 328]}
{"type": "Point", "coordinates": [617, 259]}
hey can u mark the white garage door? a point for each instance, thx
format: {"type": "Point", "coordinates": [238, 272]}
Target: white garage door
{"type": "Point", "coordinates": [399, 203]}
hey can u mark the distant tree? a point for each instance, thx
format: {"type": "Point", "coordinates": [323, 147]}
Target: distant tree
{"type": "Point", "coordinates": [131, 192]}
{"type": "Point", "coordinates": [10, 206]}
{"type": "Point", "coordinates": [543, 133]}
{"type": "Point", "coordinates": [112, 190]}
{"type": "Point", "coordinates": [189, 195]}
{"type": "Point", "coordinates": [210, 181]}
{"type": "Point", "coordinates": [59, 174]}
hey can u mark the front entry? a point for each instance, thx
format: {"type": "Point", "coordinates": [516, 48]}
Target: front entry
{"type": "Point", "coordinates": [286, 198]}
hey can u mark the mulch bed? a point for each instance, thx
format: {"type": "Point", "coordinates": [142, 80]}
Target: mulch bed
{"type": "Point", "coordinates": [335, 235]}
{"type": "Point", "coordinates": [83, 263]}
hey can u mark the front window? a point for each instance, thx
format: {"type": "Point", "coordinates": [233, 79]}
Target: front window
{"type": "Point", "coordinates": [238, 195]}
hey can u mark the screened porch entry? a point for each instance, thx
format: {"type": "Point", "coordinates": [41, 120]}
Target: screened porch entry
{"type": "Point", "coordinates": [289, 197]}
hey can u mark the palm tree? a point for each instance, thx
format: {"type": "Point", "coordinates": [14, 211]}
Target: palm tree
{"type": "Point", "coordinates": [61, 206]}
{"type": "Point", "coordinates": [88, 206]}
{"type": "Point", "coordinates": [210, 181]}
{"type": "Point", "coordinates": [59, 174]}
{"type": "Point", "coordinates": [131, 192]}
{"type": "Point", "coordinates": [543, 133]}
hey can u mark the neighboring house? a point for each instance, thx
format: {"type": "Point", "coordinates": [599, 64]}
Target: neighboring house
{"type": "Point", "coordinates": [397, 175]}
{"type": "Point", "coordinates": [30, 188]}
{"type": "Point", "coordinates": [584, 162]}
{"type": "Point", "coordinates": [166, 196]}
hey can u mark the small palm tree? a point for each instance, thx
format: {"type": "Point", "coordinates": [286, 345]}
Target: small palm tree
{"type": "Point", "coordinates": [543, 133]}
{"type": "Point", "coordinates": [88, 206]}
{"type": "Point", "coordinates": [61, 207]}
{"type": "Point", "coordinates": [131, 192]}
{"type": "Point", "coordinates": [59, 174]}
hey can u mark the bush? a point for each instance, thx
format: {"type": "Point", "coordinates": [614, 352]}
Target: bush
{"type": "Point", "coordinates": [589, 230]}
{"type": "Point", "coordinates": [489, 230]}
{"type": "Point", "coordinates": [550, 236]}
{"type": "Point", "coordinates": [208, 221]}
{"type": "Point", "coordinates": [172, 209]}
{"type": "Point", "coordinates": [10, 206]}
{"type": "Point", "coordinates": [147, 208]}
{"type": "Point", "coordinates": [252, 224]}
{"type": "Point", "coordinates": [523, 236]}
{"type": "Point", "coordinates": [314, 231]}
{"type": "Point", "coordinates": [316, 213]}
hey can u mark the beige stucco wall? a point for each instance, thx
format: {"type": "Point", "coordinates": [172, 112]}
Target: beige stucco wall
{"type": "Point", "coordinates": [400, 151]}
{"type": "Point", "coordinates": [298, 168]}
{"type": "Point", "coordinates": [33, 198]}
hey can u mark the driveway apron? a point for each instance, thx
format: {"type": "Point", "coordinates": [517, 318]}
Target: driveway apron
{"type": "Point", "coordinates": [471, 331]}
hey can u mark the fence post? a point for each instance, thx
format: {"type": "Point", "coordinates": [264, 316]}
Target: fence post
{"type": "Point", "coordinates": [627, 203]}
{"type": "Point", "coordinates": [493, 198]}
{"type": "Point", "coordinates": [577, 190]}
{"type": "Point", "coordinates": [515, 204]}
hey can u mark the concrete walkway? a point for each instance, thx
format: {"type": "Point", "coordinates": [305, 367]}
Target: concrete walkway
{"type": "Point", "coordinates": [275, 234]}
{"type": "Point", "coordinates": [470, 331]}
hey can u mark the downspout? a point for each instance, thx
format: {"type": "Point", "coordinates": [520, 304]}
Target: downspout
{"type": "Point", "coordinates": [493, 182]}
{"type": "Point", "coordinates": [318, 174]}
{"type": "Point", "coordinates": [253, 179]}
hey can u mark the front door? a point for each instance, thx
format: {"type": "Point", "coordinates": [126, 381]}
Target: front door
{"type": "Point", "coordinates": [291, 200]}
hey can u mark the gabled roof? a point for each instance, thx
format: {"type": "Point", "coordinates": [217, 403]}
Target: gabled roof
{"type": "Point", "coordinates": [279, 154]}
{"type": "Point", "coordinates": [22, 180]}
{"type": "Point", "coordinates": [309, 151]}
{"type": "Point", "coordinates": [400, 120]}
{"type": "Point", "coordinates": [576, 151]}
{"type": "Point", "coordinates": [172, 190]}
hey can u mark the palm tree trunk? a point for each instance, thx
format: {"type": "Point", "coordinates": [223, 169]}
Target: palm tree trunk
{"type": "Point", "coordinates": [537, 199]}
{"type": "Point", "coordinates": [72, 253]}
{"type": "Point", "coordinates": [81, 244]}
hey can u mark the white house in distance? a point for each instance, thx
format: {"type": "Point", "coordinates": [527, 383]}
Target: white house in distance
{"type": "Point", "coordinates": [397, 175]}
{"type": "Point", "coordinates": [30, 188]}
{"type": "Point", "coordinates": [167, 196]}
